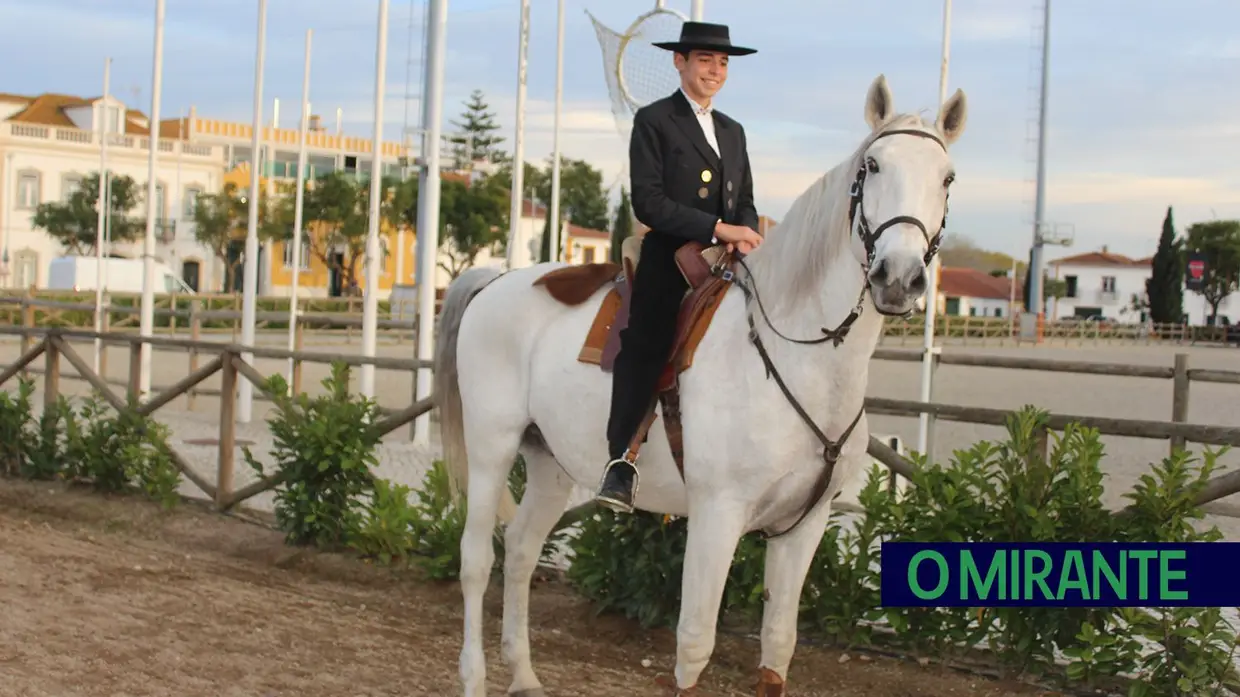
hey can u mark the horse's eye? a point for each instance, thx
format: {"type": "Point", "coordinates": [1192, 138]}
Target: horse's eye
{"type": "Point", "coordinates": [871, 165]}
{"type": "Point", "coordinates": [948, 180]}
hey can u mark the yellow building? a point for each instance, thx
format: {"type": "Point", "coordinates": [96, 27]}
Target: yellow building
{"type": "Point", "coordinates": [317, 278]}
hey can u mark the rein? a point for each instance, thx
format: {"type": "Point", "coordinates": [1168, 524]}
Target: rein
{"type": "Point", "coordinates": [832, 449]}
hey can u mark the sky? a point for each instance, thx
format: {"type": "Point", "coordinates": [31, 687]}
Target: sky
{"type": "Point", "coordinates": [1141, 107]}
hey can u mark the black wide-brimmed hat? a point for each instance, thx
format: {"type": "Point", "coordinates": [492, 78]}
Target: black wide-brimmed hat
{"type": "Point", "coordinates": [704, 36]}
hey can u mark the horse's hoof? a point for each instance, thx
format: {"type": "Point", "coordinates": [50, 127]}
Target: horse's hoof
{"type": "Point", "coordinates": [770, 684]}
{"type": "Point", "coordinates": [534, 692]}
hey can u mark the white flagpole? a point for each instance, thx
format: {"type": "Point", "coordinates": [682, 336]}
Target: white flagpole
{"type": "Point", "coordinates": [696, 10]}
{"type": "Point", "coordinates": [249, 295]}
{"type": "Point", "coordinates": [370, 303]}
{"type": "Point", "coordinates": [104, 202]}
{"type": "Point", "coordinates": [298, 202]}
{"type": "Point", "coordinates": [554, 228]}
{"type": "Point", "coordinates": [147, 318]}
{"type": "Point", "coordinates": [929, 350]}
{"type": "Point", "coordinates": [518, 140]}
{"type": "Point", "coordinates": [428, 211]}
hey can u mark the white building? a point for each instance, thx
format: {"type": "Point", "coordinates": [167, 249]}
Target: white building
{"type": "Point", "coordinates": [969, 292]}
{"type": "Point", "coordinates": [50, 142]}
{"type": "Point", "coordinates": [1103, 284]}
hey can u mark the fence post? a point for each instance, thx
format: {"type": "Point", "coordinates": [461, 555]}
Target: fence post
{"type": "Point", "coordinates": [135, 370]}
{"type": "Point", "coordinates": [228, 429]}
{"type": "Point", "coordinates": [195, 331]}
{"type": "Point", "coordinates": [51, 372]}
{"type": "Point", "coordinates": [27, 325]}
{"type": "Point", "coordinates": [299, 343]}
{"type": "Point", "coordinates": [105, 326]}
{"type": "Point", "coordinates": [1179, 398]}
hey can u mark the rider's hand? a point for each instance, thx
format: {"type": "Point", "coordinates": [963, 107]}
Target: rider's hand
{"type": "Point", "coordinates": [738, 236]}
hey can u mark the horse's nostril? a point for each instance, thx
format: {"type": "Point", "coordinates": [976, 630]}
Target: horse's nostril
{"type": "Point", "coordinates": [879, 274]}
{"type": "Point", "coordinates": [917, 285]}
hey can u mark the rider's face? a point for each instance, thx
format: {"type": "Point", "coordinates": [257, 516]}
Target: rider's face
{"type": "Point", "coordinates": [703, 73]}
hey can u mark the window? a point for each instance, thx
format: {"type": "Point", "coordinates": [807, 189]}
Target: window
{"type": "Point", "coordinates": [1069, 286]}
{"type": "Point", "coordinates": [26, 269]}
{"type": "Point", "coordinates": [305, 253]}
{"type": "Point", "coordinates": [70, 184]}
{"type": "Point", "coordinates": [1108, 284]}
{"type": "Point", "coordinates": [190, 201]}
{"type": "Point", "coordinates": [587, 255]}
{"type": "Point", "coordinates": [998, 312]}
{"type": "Point", "coordinates": [28, 194]}
{"type": "Point", "coordinates": [113, 120]}
{"type": "Point", "coordinates": [161, 195]}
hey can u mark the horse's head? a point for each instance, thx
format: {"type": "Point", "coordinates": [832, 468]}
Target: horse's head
{"type": "Point", "coordinates": [899, 197]}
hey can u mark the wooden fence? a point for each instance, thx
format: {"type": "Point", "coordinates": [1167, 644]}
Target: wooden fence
{"type": "Point", "coordinates": [222, 314]}
{"type": "Point", "coordinates": [53, 343]}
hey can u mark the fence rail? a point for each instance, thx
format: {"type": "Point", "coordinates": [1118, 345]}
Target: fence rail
{"type": "Point", "coordinates": [222, 312]}
{"type": "Point", "coordinates": [228, 359]}
{"type": "Point", "coordinates": [54, 345]}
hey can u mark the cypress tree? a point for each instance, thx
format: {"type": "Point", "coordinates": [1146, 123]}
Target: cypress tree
{"type": "Point", "coordinates": [1164, 288]}
{"type": "Point", "coordinates": [622, 228]}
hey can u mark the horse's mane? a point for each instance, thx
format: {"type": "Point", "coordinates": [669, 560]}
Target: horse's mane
{"type": "Point", "coordinates": [795, 255]}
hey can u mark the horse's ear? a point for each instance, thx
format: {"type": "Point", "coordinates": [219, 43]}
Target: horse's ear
{"type": "Point", "coordinates": [879, 105]}
{"type": "Point", "coordinates": [952, 116]}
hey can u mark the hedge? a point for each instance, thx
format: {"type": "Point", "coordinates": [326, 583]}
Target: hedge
{"type": "Point", "coordinates": [630, 564]}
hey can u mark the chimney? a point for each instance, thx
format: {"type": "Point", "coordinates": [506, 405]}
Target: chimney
{"type": "Point", "coordinates": [315, 124]}
{"type": "Point", "coordinates": [1104, 249]}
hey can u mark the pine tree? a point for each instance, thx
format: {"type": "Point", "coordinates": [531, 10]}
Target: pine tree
{"type": "Point", "coordinates": [477, 139]}
{"type": "Point", "coordinates": [622, 228]}
{"type": "Point", "coordinates": [1164, 289]}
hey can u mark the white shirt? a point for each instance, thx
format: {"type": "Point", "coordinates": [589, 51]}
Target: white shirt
{"type": "Point", "coordinates": [705, 120]}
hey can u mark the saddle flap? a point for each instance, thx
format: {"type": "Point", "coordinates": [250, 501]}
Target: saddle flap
{"type": "Point", "coordinates": [695, 262]}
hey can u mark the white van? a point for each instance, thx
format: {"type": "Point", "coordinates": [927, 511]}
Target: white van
{"type": "Point", "coordinates": [120, 276]}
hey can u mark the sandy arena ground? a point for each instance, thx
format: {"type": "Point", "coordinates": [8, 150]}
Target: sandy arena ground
{"type": "Point", "coordinates": [107, 596]}
{"type": "Point", "coordinates": [110, 598]}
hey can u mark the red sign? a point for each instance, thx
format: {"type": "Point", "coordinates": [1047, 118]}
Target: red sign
{"type": "Point", "coordinates": [1196, 268]}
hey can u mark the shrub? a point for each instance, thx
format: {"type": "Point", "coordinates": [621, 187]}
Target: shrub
{"type": "Point", "coordinates": [324, 450]}
{"type": "Point", "coordinates": [111, 451]}
{"type": "Point", "coordinates": [428, 532]}
{"type": "Point", "coordinates": [1006, 492]}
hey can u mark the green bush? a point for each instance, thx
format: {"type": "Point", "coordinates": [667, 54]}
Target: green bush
{"type": "Point", "coordinates": [111, 451]}
{"type": "Point", "coordinates": [324, 450]}
{"type": "Point", "coordinates": [428, 532]}
{"type": "Point", "coordinates": [1000, 492]}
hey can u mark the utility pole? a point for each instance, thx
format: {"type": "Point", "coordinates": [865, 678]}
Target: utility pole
{"type": "Point", "coordinates": [1039, 212]}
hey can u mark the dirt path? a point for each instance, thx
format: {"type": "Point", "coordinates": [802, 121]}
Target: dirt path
{"type": "Point", "coordinates": [114, 597]}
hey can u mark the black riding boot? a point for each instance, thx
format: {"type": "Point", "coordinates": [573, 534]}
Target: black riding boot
{"type": "Point", "coordinates": [618, 487]}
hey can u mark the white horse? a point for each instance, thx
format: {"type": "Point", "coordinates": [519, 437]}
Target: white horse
{"type": "Point", "coordinates": [509, 380]}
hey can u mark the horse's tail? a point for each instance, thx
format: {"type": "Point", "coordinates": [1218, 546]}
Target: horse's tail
{"type": "Point", "coordinates": [448, 390]}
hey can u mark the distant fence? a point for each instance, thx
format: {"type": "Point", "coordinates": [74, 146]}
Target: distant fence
{"type": "Point", "coordinates": [220, 313]}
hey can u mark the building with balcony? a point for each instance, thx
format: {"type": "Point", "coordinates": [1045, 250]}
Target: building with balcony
{"type": "Point", "coordinates": [50, 142]}
{"type": "Point", "coordinates": [1102, 285]}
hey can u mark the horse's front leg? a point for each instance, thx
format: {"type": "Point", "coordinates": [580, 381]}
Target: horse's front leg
{"type": "Point", "coordinates": [788, 558]}
{"type": "Point", "coordinates": [714, 530]}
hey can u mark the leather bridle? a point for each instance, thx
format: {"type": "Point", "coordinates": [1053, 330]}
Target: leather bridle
{"type": "Point", "coordinates": [869, 237]}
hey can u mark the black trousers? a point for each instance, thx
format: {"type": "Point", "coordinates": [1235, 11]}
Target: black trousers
{"type": "Point", "coordinates": [646, 342]}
